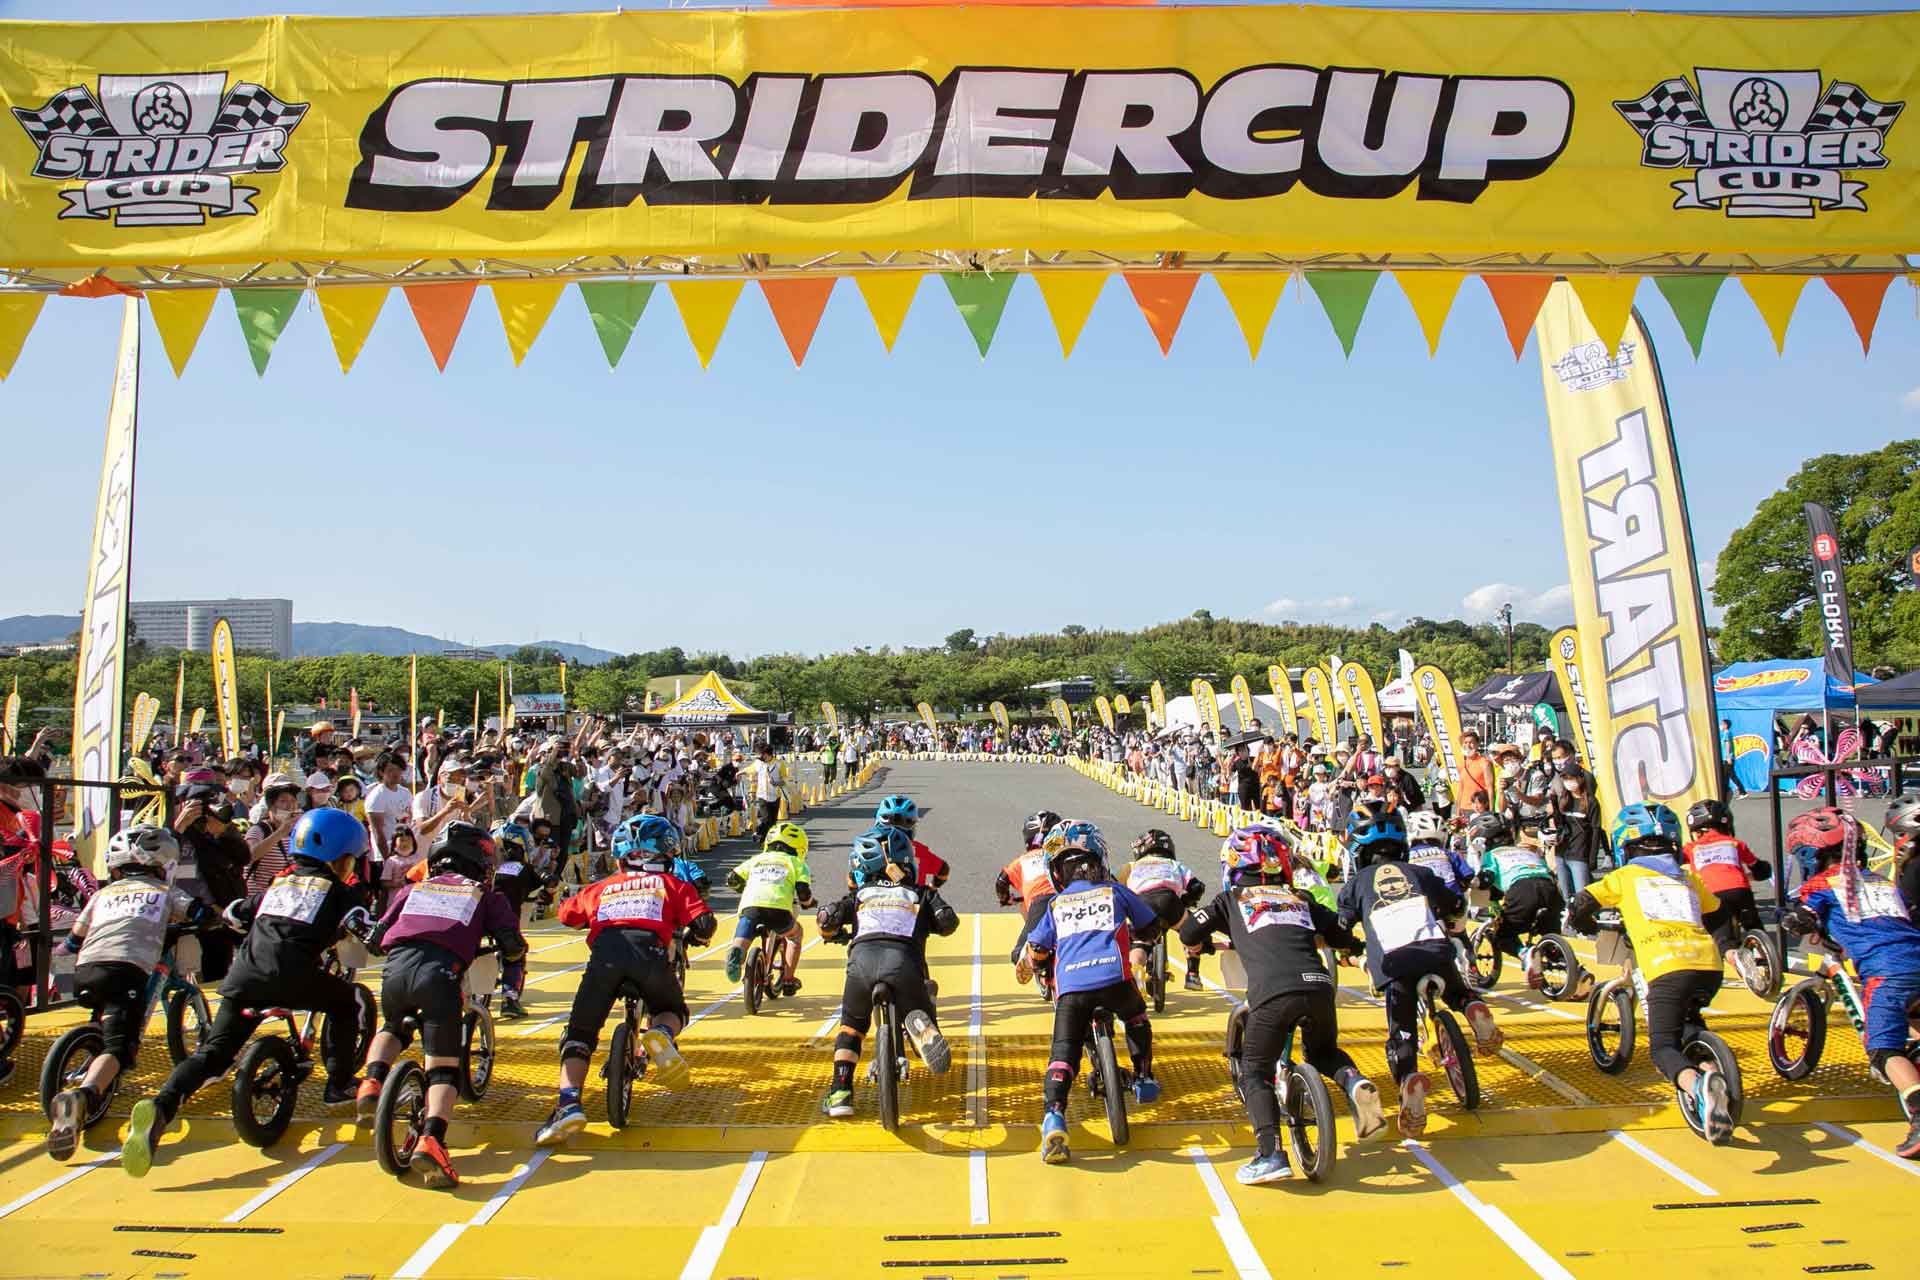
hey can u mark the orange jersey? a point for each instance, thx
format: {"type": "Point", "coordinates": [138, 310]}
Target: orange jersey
{"type": "Point", "coordinates": [1720, 861]}
{"type": "Point", "coordinates": [1028, 876]}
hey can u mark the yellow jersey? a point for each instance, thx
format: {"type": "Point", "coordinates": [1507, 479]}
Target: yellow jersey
{"type": "Point", "coordinates": [1661, 910]}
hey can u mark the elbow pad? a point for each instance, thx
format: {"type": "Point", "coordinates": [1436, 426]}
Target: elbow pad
{"type": "Point", "coordinates": [1800, 920]}
{"type": "Point", "coordinates": [701, 928]}
{"type": "Point", "coordinates": [1581, 911]}
{"type": "Point", "coordinates": [1195, 892]}
{"type": "Point", "coordinates": [1761, 869]}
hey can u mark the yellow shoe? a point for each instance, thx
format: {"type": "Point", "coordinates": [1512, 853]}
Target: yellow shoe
{"type": "Point", "coordinates": [666, 1065]}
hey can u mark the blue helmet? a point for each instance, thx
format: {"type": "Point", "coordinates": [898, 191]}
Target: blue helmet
{"type": "Point", "coordinates": [514, 841]}
{"type": "Point", "coordinates": [1075, 851]}
{"type": "Point", "coordinates": [1638, 822]}
{"type": "Point", "coordinates": [646, 838]}
{"type": "Point", "coordinates": [880, 856]}
{"type": "Point", "coordinates": [1373, 828]}
{"type": "Point", "coordinates": [327, 835]}
{"type": "Point", "coordinates": [897, 811]}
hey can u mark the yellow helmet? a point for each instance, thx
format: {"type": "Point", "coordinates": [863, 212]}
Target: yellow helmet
{"type": "Point", "coordinates": [787, 837]}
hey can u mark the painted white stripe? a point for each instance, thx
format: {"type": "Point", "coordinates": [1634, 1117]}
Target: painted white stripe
{"type": "Point", "coordinates": [498, 1200]}
{"type": "Point", "coordinates": [73, 1174]}
{"type": "Point", "coordinates": [443, 1236]}
{"type": "Point", "coordinates": [1534, 1006]}
{"type": "Point", "coordinates": [973, 1011]}
{"type": "Point", "coordinates": [1522, 1244]}
{"type": "Point", "coordinates": [1226, 1222]}
{"type": "Point", "coordinates": [713, 1240]}
{"type": "Point", "coordinates": [735, 993]}
{"type": "Point", "coordinates": [1663, 1164]}
{"type": "Point", "coordinates": [977, 1188]}
{"type": "Point", "coordinates": [542, 1025]}
{"type": "Point", "coordinates": [1534, 1071]}
{"type": "Point", "coordinates": [826, 1028]}
{"type": "Point", "coordinates": [280, 1184]}
{"type": "Point", "coordinates": [1846, 1135]}
{"type": "Point", "coordinates": [555, 946]}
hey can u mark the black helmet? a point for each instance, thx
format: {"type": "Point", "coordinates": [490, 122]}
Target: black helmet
{"type": "Point", "coordinates": [1487, 831]}
{"type": "Point", "coordinates": [1710, 815]}
{"type": "Point", "coordinates": [1153, 843]}
{"type": "Point", "coordinates": [1036, 827]}
{"type": "Point", "coordinates": [463, 848]}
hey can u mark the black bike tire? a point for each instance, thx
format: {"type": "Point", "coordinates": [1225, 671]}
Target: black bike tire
{"type": "Point", "coordinates": [1311, 1138]}
{"type": "Point", "coordinates": [476, 1025]}
{"type": "Point", "coordinates": [406, 1087]}
{"type": "Point", "coordinates": [1236, 1036]}
{"type": "Point", "coordinates": [620, 1076]}
{"type": "Point", "coordinates": [754, 979]}
{"type": "Point", "coordinates": [1702, 1045]}
{"type": "Point", "coordinates": [1486, 973]}
{"type": "Point", "coordinates": [1569, 962]}
{"type": "Point", "coordinates": [1810, 993]}
{"type": "Point", "coordinates": [1467, 1086]}
{"type": "Point", "coordinates": [267, 1052]}
{"type": "Point", "coordinates": [180, 1002]}
{"type": "Point", "coordinates": [57, 1073]}
{"type": "Point", "coordinates": [13, 1022]}
{"type": "Point", "coordinates": [1112, 1090]}
{"type": "Point", "coordinates": [1752, 940]}
{"type": "Point", "coordinates": [1620, 996]}
{"type": "Point", "coordinates": [1157, 974]}
{"type": "Point", "coordinates": [886, 1067]}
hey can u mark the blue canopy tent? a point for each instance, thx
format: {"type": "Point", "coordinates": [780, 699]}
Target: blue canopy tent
{"type": "Point", "coordinates": [1751, 694]}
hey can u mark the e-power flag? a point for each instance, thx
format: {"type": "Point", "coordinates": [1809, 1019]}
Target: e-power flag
{"type": "Point", "coordinates": [1830, 595]}
{"type": "Point", "coordinates": [1441, 710]}
{"type": "Point", "coordinates": [1636, 590]}
{"type": "Point", "coordinates": [1282, 686]}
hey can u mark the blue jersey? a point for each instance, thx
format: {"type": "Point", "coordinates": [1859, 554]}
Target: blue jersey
{"type": "Point", "coordinates": [1090, 930]}
{"type": "Point", "coordinates": [689, 870]}
{"type": "Point", "coordinates": [1448, 865]}
{"type": "Point", "coordinates": [1874, 930]}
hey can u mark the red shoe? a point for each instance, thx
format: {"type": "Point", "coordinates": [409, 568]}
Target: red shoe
{"type": "Point", "coordinates": [431, 1162]}
{"type": "Point", "coordinates": [366, 1101]}
{"type": "Point", "coordinates": [1413, 1104]}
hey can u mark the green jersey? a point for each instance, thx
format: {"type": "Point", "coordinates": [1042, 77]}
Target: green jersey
{"type": "Point", "coordinates": [770, 879]}
{"type": "Point", "coordinates": [1511, 864]}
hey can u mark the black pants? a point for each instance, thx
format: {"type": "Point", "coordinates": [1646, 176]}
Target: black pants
{"type": "Point", "coordinates": [1672, 999]}
{"type": "Point", "coordinates": [1735, 914]}
{"type": "Point", "coordinates": [871, 963]}
{"type": "Point", "coordinates": [424, 982]}
{"type": "Point", "coordinates": [765, 814]}
{"type": "Point", "coordinates": [1036, 909]}
{"type": "Point", "coordinates": [1310, 1017]}
{"type": "Point", "coordinates": [247, 990]}
{"type": "Point", "coordinates": [1403, 1008]}
{"type": "Point", "coordinates": [1073, 1022]}
{"type": "Point", "coordinates": [1532, 906]}
{"type": "Point", "coordinates": [623, 960]}
{"type": "Point", "coordinates": [117, 994]}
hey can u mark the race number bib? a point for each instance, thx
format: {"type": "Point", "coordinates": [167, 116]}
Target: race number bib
{"type": "Point", "coordinates": [1033, 870]}
{"type": "Point", "coordinates": [1399, 924]}
{"type": "Point", "coordinates": [1156, 873]}
{"type": "Point", "coordinates": [451, 902]}
{"type": "Point", "coordinates": [1262, 908]}
{"type": "Point", "coordinates": [1876, 898]}
{"type": "Point", "coordinates": [888, 912]}
{"type": "Point", "coordinates": [1664, 901]}
{"type": "Point", "coordinates": [296, 898]}
{"type": "Point", "coordinates": [1516, 864]}
{"type": "Point", "coordinates": [1720, 854]}
{"type": "Point", "coordinates": [509, 869]}
{"type": "Point", "coordinates": [635, 902]}
{"type": "Point", "coordinates": [1436, 861]}
{"type": "Point", "coordinates": [1089, 912]}
{"type": "Point", "coordinates": [149, 905]}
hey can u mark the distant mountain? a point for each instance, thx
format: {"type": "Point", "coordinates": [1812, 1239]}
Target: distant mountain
{"type": "Point", "coordinates": [311, 639]}
{"type": "Point", "coordinates": [38, 628]}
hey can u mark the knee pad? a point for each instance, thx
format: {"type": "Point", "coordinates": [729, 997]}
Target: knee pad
{"type": "Point", "coordinates": [449, 1076]}
{"type": "Point", "coordinates": [1059, 1072]}
{"type": "Point", "coordinates": [1142, 1020]}
{"type": "Point", "coordinates": [847, 1040]}
{"type": "Point", "coordinates": [578, 1050]}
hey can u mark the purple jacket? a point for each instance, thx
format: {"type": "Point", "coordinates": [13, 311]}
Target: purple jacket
{"type": "Point", "coordinates": [452, 912]}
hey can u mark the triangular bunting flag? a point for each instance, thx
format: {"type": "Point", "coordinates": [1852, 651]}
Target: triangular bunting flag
{"type": "Point", "coordinates": [440, 310]}
{"type": "Point", "coordinates": [263, 315]}
{"type": "Point", "coordinates": [615, 307]}
{"type": "Point", "coordinates": [1069, 296]}
{"type": "Point", "coordinates": [1253, 296]}
{"type": "Point", "coordinates": [1608, 301]}
{"type": "Point", "coordinates": [1162, 297]}
{"type": "Point", "coordinates": [350, 310]}
{"type": "Point", "coordinates": [1518, 300]}
{"type": "Point", "coordinates": [888, 295]}
{"type": "Point", "coordinates": [1431, 295]}
{"type": "Point", "coordinates": [1861, 295]}
{"type": "Point", "coordinates": [1775, 297]}
{"type": "Point", "coordinates": [18, 311]}
{"type": "Point", "coordinates": [1691, 298]}
{"type": "Point", "coordinates": [99, 285]}
{"type": "Point", "coordinates": [981, 298]}
{"type": "Point", "coordinates": [797, 303]}
{"type": "Point", "coordinates": [525, 306]}
{"type": "Point", "coordinates": [1344, 295]}
{"type": "Point", "coordinates": [180, 315]}
{"type": "Point", "coordinates": [705, 306]}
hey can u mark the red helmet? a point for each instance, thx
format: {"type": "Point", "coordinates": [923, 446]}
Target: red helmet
{"type": "Point", "coordinates": [1820, 834]}
{"type": "Point", "coordinates": [1259, 853]}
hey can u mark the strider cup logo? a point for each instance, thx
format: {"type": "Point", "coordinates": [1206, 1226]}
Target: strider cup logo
{"type": "Point", "coordinates": [1763, 144]}
{"type": "Point", "coordinates": [1588, 367]}
{"type": "Point", "coordinates": [160, 150]}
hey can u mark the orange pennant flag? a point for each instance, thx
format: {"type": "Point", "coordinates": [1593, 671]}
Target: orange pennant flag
{"type": "Point", "coordinates": [1608, 301]}
{"type": "Point", "coordinates": [1162, 297]}
{"type": "Point", "coordinates": [440, 310]}
{"type": "Point", "coordinates": [888, 295]}
{"type": "Point", "coordinates": [1518, 299]}
{"type": "Point", "coordinates": [1253, 296]}
{"type": "Point", "coordinates": [1431, 295]}
{"type": "Point", "coordinates": [1775, 297]}
{"type": "Point", "coordinates": [98, 286]}
{"type": "Point", "coordinates": [1861, 295]}
{"type": "Point", "coordinates": [797, 303]}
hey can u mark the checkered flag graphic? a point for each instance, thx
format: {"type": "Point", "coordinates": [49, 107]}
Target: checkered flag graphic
{"type": "Point", "coordinates": [1669, 102]}
{"type": "Point", "coordinates": [248, 106]}
{"type": "Point", "coordinates": [1846, 107]}
{"type": "Point", "coordinates": [68, 111]}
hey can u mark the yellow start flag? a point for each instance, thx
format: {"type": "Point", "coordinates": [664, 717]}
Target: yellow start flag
{"type": "Point", "coordinates": [10, 720]}
{"type": "Point", "coordinates": [1320, 703]}
{"type": "Point", "coordinates": [833, 717]}
{"type": "Point", "coordinates": [1362, 699]}
{"type": "Point", "coordinates": [179, 703]}
{"type": "Point", "coordinates": [226, 696]}
{"type": "Point", "coordinates": [1636, 591]}
{"type": "Point", "coordinates": [279, 724]}
{"type": "Point", "coordinates": [1441, 710]}
{"type": "Point", "coordinates": [1282, 686]}
{"type": "Point", "coordinates": [353, 711]}
{"type": "Point", "coordinates": [927, 718]}
{"type": "Point", "coordinates": [1159, 696]}
{"type": "Point", "coordinates": [1122, 705]}
{"type": "Point", "coordinates": [268, 726]}
{"type": "Point", "coordinates": [194, 722]}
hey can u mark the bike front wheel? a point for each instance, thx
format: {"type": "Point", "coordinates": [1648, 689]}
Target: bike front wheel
{"type": "Point", "coordinates": [476, 1053]}
{"type": "Point", "coordinates": [620, 1075]}
{"type": "Point", "coordinates": [1310, 1121]}
{"type": "Point", "coordinates": [1610, 1027]}
{"type": "Point", "coordinates": [1456, 1060]}
{"type": "Point", "coordinates": [1797, 1031]}
{"type": "Point", "coordinates": [1113, 1087]}
{"type": "Point", "coordinates": [1763, 970]}
{"type": "Point", "coordinates": [1704, 1048]}
{"type": "Point", "coordinates": [401, 1116]}
{"type": "Point", "coordinates": [189, 1022]}
{"type": "Point", "coordinates": [755, 975]}
{"type": "Point", "coordinates": [266, 1087]}
{"type": "Point", "coordinates": [886, 1067]}
{"type": "Point", "coordinates": [1483, 957]}
{"type": "Point", "coordinates": [1559, 967]}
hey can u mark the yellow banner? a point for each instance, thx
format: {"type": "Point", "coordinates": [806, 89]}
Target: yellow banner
{"type": "Point", "coordinates": [1563, 655]}
{"type": "Point", "coordinates": [198, 718]}
{"type": "Point", "coordinates": [146, 709]}
{"type": "Point", "coordinates": [1105, 709]}
{"type": "Point", "coordinates": [1243, 702]}
{"type": "Point", "coordinates": [1122, 705]}
{"type": "Point", "coordinates": [1281, 686]}
{"type": "Point", "coordinates": [1063, 713]}
{"type": "Point", "coordinates": [1636, 590]}
{"type": "Point", "coordinates": [226, 697]}
{"type": "Point", "coordinates": [1206, 705]}
{"type": "Point", "coordinates": [1285, 130]}
{"type": "Point", "coordinates": [179, 702]}
{"type": "Point", "coordinates": [267, 726]}
{"type": "Point", "coordinates": [1441, 710]}
{"type": "Point", "coordinates": [1320, 703]}
{"type": "Point", "coordinates": [100, 665]}
{"type": "Point", "coordinates": [279, 724]}
{"type": "Point", "coordinates": [1362, 699]}
{"type": "Point", "coordinates": [928, 718]}
{"type": "Point", "coordinates": [10, 720]}
{"type": "Point", "coordinates": [1159, 696]}
{"type": "Point", "coordinates": [999, 712]}
{"type": "Point", "coordinates": [833, 717]}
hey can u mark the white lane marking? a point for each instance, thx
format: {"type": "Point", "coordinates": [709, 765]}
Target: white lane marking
{"type": "Point", "coordinates": [443, 1237]}
{"type": "Point", "coordinates": [1534, 1006]}
{"type": "Point", "coordinates": [977, 1187]}
{"type": "Point", "coordinates": [713, 1240]}
{"type": "Point", "coordinates": [1226, 1222]}
{"type": "Point", "coordinates": [1663, 1164]}
{"type": "Point", "coordinates": [735, 993]}
{"type": "Point", "coordinates": [973, 1011]}
{"type": "Point", "coordinates": [280, 1184]}
{"type": "Point", "coordinates": [1522, 1244]}
{"type": "Point", "coordinates": [41, 1192]}
{"type": "Point", "coordinates": [544, 1023]}
{"type": "Point", "coordinates": [554, 946]}
{"type": "Point", "coordinates": [826, 1028]}
{"type": "Point", "coordinates": [1845, 1135]}
{"type": "Point", "coordinates": [1534, 1071]}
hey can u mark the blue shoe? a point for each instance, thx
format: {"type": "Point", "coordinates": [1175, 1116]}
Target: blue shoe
{"type": "Point", "coordinates": [567, 1119]}
{"type": "Point", "coordinates": [1264, 1169]}
{"type": "Point", "coordinates": [1146, 1089]}
{"type": "Point", "coordinates": [1710, 1103]}
{"type": "Point", "coordinates": [734, 959]}
{"type": "Point", "coordinates": [1053, 1139]}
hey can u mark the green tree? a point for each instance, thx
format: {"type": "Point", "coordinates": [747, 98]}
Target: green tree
{"type": "Point", "coordinates": [961, 641]}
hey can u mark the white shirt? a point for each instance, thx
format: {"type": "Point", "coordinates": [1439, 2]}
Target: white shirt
{"type": "Point", "coordinates": [425, 805]}
{"type": "Point", "coordinates": [766, 780]}
{"type": "Point", "coordinates": [395, 803]}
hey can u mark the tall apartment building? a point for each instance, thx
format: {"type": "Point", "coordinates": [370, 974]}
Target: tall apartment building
{"type": "Point", "coordinates": [259, 626]}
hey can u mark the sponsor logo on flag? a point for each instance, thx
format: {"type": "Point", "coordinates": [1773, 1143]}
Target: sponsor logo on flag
{"type": "Point", "coordinates": [1761, 679]}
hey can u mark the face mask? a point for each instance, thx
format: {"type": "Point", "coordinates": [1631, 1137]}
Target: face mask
{"type": "Point", "coordinates": [1509, 769]}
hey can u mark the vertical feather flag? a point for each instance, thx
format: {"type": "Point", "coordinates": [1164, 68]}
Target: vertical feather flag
{"type": "Point", "coordinates": [413, 719]}
{"type": "Point", "coordinates": [179, 699]}
{"type": "Point", "coordinates": [1282, 686]}
{"type": "Point", "coordinates": [1242, 701]}
{"type": "Point", "coordinates": [226, 694]}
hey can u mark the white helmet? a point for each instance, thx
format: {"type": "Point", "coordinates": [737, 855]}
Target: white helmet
{"type": "Point", "coordinates": [142, 845]}
{"type": "Point", "coordinates": [1425, 827]}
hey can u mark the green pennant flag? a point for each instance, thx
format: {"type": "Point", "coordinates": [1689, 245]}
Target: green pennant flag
{"type": "Point", "coordinates": [1691, 298]}
{"type": "Point", "coordinates": [981, 298]}
{"type": "Point", "coordinates": [615, 307]}
{"type": "Point", "coordinates": [1344, 296]}
{"type": "Point", "coordinates": [263, 315]}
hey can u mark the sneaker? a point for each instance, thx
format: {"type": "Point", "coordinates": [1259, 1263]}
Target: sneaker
{"type": "Point", "coordinates": [1536, 978]}
{"type": "Point", "coordinates": [1909, 1147]}
{"type": "Point", "coordinates": [1053, 1139]}
{"type": "Point", "coordinates": [669, 1067]}
{"type": "Point", "coordinates": [1710, 1088]}
{"type": "Point", "coordinates": [1023, 970]}
{"type": "Point", "coordinates": [734, 964]}
{"type": "Point", "coordinates": [1193, 982]}
{"type": "Point", "coordinates": [568, 1118]}
{"type": "Point", "coordinates": [1487, 1035]}
{"type": "Point", "coordinates": [510, 1007]}
{"type": "Point", "coordinates": [1413, 1104]}
{"type": "Point", "coordinates": [431, 1162]}
{"type": "Point", "coordinates": [69, 1112]}
{"type": "Point", "coordinates": [928, 1042]}
{"type": "Point", "coordinates": [1146, 1089]}
{"type": "Point", "coordinates": [144, 1130]}
{"type": "Point", "coordinates": [789, 987]}
{"type": "Point", "coordinates": [1369, 1116]}
{"type": "Point", "coordinates": [341, 1093]}
{"type": "Point", "coordinates": [1742, 966]}
{"type": "Point", "coordinates": [1264, 1169]}
{"type": "Point", "coordinates": [839, 1103]}
{"type": "Point", "coordinates": [366, 1101]}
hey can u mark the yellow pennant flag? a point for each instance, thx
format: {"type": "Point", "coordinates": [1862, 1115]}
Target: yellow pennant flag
{"type": "Point", "coordinates": [525, 306]}
{"type": "Point", "coordinates": [1252, 295]}
{"type": "Point", "coordinates": [563, 675]}
{"type": "Point", "coordinates": [179, 700]}
{"type": "Point", "coordinates": [18, 311]}
{"type": "Point", "coordinates": [1243, 701]}
{"type": "Point", "coordinates": [1206, 706]}
{"type": "Point", "coordinates": [705, 307]}
{"type": "Point", "coordinates": [353, 711]}
{"type": "Point", "coordinates": [1063, 713]}
{"type": "Point", "coordinates": [888, 295]}
{"type": "Point", "coordinates": [226, 694]}
{"type": "Point", "coordinates": [180, 315]}
{"type": "Point", "coordinates": [927, 718]}
{"type": "Point", "coordinates": [1775, 297]}
{"type": "Point", "coordinates": [1105, 708]}
{"type": "Point", "coordinates": [505, 721]}
{"type": "Point", "coordinates": [1636, 588]}
{"type": "Point", "coordinates": [999, 713]}
{"type": "Point", "coordinates": [1069, 296]}
{"type": "Point", "coordinates": [1362, 699]}
{"type": "Point", "coordinates": [833, 717]}
{"type": "Point", "coordinates": [1563, 655]}
{"type": "Point", "coordinates": [1431, 295]}
{"type": "Point", "coordinates": [1608, 301]}
{"type": "Point", "coordinates": [1441, 710]}
{"type": "Point", "coordinates": [475, 722]}
{"type": "Point", "coordinates": [1122, 704]}
{"type": "Point", "coordinates": [1320, 703]}
{"type": "Point", "coordinates": [1159, 696]}
{"type": "Point", "coordinates": [269, 723]}
{"type": "Point", "coordinates": [10, 720]}
{"type": "Point", "coordinates": [1282, 687]}
{"type": "Point", "coordinates": [199, 718]}
{"type": "Point", "coordinates": [350, 311]}
{"type": "Point", "coordinates": [279, 725]}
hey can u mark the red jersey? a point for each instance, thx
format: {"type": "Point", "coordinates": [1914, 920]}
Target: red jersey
{"type": "Point", "coordinates": [1028, 876]}
{"type": "Point", "coordinates": [1721, 861]}
{"type": "Point", "coordinates": [933, 868]}
{"type": "Point", "coordinates": [650, 900]}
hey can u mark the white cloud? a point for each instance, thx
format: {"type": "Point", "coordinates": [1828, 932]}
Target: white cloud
{"type": "Point", "coordinates": [1555, 604]}
{"type": "Point", "coordinates": [1316, 610]}
{"type": "Point", "coordinates": [1911, 400]}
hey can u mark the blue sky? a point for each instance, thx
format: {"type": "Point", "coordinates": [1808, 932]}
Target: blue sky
{"type": "Point", "coordinates": [869, 499]}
